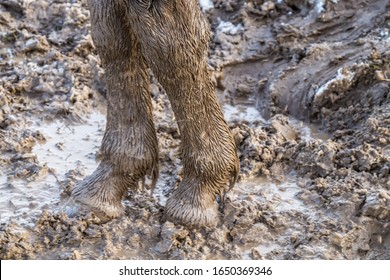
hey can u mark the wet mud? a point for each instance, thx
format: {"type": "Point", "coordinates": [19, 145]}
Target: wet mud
{"type": "Point", "coordinates": [304, 85]}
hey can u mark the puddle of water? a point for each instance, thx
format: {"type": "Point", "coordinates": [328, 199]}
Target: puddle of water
{"type": "Point", "coordinates": [249, 114]}
{"type": "Point", "coordinates": [159, 192]}
{"type": "Point", "coordinates": [66, 147]}
{"type": "Point", "coordinates": [23, 200]}
{"type": "Point", "coordinates": [206, 4]}
{"type": "Point", "coordinates": [308, 131]}
{"type": "Point", "coordinates": [242, 113]}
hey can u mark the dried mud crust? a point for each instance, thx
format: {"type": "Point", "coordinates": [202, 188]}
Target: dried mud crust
{"type": "Point", "coordinates": [302, 194]}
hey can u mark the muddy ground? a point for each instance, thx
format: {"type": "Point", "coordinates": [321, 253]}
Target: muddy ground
{"type": "Point", "coordinates": [304, 85]}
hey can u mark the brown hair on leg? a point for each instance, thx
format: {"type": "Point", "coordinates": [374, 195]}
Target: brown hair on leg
{"type": "Point", "coordinates": [129, 148]}
{"type": "Point", "coordinates": [174, 39]}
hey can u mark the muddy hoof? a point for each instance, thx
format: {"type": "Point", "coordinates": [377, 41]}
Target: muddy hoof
{"type": "Point", "coordinates": [191, 210]}
{"type": "Point", "coordinates": [75, 209]}
{"type": "Point", "coordinates": [186, 214]}
{"type": "Point", "coordinates": [103, 191]}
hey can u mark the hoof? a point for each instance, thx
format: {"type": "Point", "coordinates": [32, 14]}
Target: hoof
{"type": "Point", "coordinates": [77, 210]}
{"type": "Point", "coordinates": [101, 209]}
{"type": "Point", "coordinates": [103, 192]}
{"type": "Point", "coordinates": [193, 217]}
{"type": "Point", "coordinates": [192, 209]}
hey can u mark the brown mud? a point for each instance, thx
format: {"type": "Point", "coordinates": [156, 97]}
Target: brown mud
{"type": "Point", "coordinates": [305, 87]}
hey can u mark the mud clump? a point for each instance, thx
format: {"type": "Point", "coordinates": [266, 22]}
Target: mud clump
{"type": "Point", "coordinates": [304, 86]}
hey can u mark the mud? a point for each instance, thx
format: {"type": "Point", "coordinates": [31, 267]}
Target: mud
{"type": "Point", "coordinates": [304, 85]}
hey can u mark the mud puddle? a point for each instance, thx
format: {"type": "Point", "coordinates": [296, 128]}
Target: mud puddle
{"type": "Point", "coordinates": [68, 145]}
{"type": "Point", "coordinates": [64, 146]}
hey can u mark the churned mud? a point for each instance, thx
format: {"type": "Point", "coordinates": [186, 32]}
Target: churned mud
{"type": "Point", "coordinates": [304, 85]}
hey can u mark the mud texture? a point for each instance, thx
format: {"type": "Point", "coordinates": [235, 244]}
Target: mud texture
{"type": "Point", "coordinates": [304, 85]}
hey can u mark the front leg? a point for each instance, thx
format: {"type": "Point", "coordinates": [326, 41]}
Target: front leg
{"type": "Point", "coordinates": [129, 148]}
{"type": "Point", "coordinates": [174, 38]}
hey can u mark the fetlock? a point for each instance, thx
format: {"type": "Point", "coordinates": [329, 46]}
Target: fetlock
{"type": "Point", "coordinates": [206, 181]}
{"type": "Point", "coordinates": [192, 204]}
{"type": "Point", "coordinates": [123, 165]}
{"type": "Point", "coordinates": [103, 190]}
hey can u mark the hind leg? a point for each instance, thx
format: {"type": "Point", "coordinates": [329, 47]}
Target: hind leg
{"type": "Point", "coordinates": [174, 39]}
{"type": "Point", "coordinates": [129, 147]}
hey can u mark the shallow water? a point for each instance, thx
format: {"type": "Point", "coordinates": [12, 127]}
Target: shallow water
{"type": "Point", "coordinates": [70, 145]}
{"type": "Point", "coordinates": [308, 131]}
{"type": "Point", "coordinates": [242, 113]}
{"type": "Point", "coordinates": [66, 147]}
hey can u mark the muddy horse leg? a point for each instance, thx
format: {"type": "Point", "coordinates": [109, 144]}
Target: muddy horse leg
{"type": "Point", "coordinates": [174, 39]}
{"type": "Point", "coordinates": [129, 146]}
